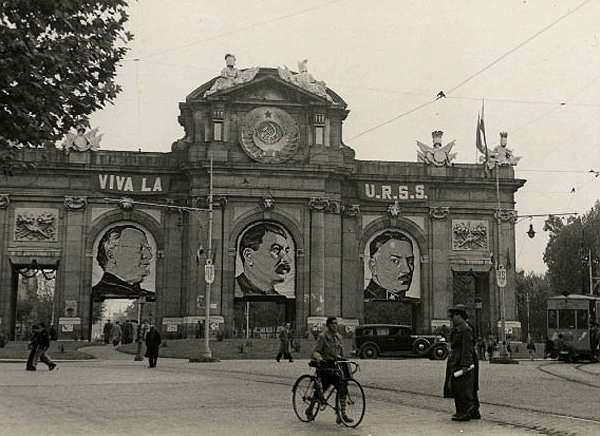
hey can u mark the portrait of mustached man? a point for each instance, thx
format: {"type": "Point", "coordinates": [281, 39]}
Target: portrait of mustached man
{"type": "Point", "coordinates": [391, 263]}
{"type": "Point", "coordinates": [265, 252]}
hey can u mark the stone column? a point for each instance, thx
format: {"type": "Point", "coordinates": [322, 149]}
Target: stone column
{"type": "Point", "coordinates": [71, 267]}
{"type": "Point", "coordinates": [5, 268]}
{"type": "Point", "coordinates": [351, 288]}
{"type": "Point", "coordinates": [317, 256]}
{"type": "Point", "coordinates": [333, 259]}
{"type": "Point", "coordinates": [439, 267]}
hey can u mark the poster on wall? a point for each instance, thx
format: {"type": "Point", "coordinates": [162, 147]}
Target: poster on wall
{"type": "Point", "coordinates": [265, 263]}
{"type": "Point", "coordinates": [124, 264]}
{"type": "Point", "coordinates": [392, 269]}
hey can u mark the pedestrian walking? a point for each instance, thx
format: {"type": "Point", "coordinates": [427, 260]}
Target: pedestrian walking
{"type": "Point", "coordinates": [548, 348]}
{"type": "Point", "coordinates": [107, 330]}
{"type": "Point", "coordinates": [460, 378]}
{"type": "Point", "coordinates": [117, 334]}
{"type": "Point", "coordinates": [490, 348]}
{"type": "Point", "coordinates": [531, 348]}
{"type": "Point", "coordinates": [285, 345]}
{"type": "Point", "coordinates": [153, 341]}
{"type": "Point", "coordinates": [33, 346]}
{"type": "Point", "coordinates": [43, 344]}
{"type": "Point", "coordinates": [480, 346]}
{"type": "Point", "coordinates": [508, 349]}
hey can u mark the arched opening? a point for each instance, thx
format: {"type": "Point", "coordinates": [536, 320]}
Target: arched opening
{"type": "Point", "coordinates": [265, 279]}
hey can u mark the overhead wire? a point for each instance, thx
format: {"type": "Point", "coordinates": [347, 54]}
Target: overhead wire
{"type": "Point", "coordinates": [477, 73]}
{"type": "Point", "coordinates": [243, 28]}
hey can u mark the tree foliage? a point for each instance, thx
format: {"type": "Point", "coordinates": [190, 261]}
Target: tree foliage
{"type": "Point", "coordinates": [538, 287]}
{"type": "Point", "coordinates": [567, 252]}
{"type": "Point", "coordinates": [58, 60]}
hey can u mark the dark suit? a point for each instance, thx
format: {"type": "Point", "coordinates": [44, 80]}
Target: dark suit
{"type": "Point", "coordinates": [249, 289]}
{"type": "Point", "coordinates": [375, 292]}
{"type": "Point", "coordinates": [111, 286]}
{"type": "Point", "coordinates": [461, 357]}
{"type": "Point", "coordinates": [153, 341]}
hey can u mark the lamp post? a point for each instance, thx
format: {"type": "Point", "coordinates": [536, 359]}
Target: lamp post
{"type": "Point", "coordinates": [528, 321]}
{"type": "Point", "coordinates": [500, 270]}
{"type": "Point", "coordinates": [138, 339]}
{"type": "Point", "coordinates": [209, 277]}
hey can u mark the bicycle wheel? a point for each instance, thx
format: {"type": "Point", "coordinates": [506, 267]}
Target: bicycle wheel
{"type": "Point", "coordinates": [355, 404]}
{"type": "Point", "coordinates": [304, 398]}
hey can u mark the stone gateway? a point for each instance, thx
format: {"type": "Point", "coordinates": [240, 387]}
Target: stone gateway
{"type": "Point", "coordinates": [302, 229]}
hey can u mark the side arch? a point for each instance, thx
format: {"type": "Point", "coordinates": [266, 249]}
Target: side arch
{"type": "Point", "coordinates": [399, 223]}
{"type": "Point", "coordinates": [414, 310]}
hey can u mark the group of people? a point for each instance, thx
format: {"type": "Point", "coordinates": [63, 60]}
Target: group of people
{"type": "Point", "coordinates": [120, 334]}
{"type": "Point", "coordinates": [128, 333]}
{"type": "Point", "coordinates": [39, 345]}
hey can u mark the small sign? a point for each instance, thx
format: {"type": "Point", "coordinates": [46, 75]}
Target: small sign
{"type": "Point", "coordinates": [172, 327]}
{"type": "Point", "coordinates": [501, 276]}
{"type": "Point", "coordinates": [209, 273]}
{"type": "Point", "coordinates": [69, 321]}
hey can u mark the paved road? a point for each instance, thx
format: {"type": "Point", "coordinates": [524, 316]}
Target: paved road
{"type": "Point", "coordinates": [119, 397]}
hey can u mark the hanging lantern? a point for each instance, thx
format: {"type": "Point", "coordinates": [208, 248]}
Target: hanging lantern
{"type": "Point", "coordinates": [531, 232]}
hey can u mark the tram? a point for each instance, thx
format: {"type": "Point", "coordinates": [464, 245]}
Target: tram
{"type": "Point", "coordinates": [570, 325]}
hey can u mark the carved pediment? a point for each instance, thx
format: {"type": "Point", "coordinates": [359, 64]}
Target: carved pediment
{"type": "Point", "coordinates": [265, 86]}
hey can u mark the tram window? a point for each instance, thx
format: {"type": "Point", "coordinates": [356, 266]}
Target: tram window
{"type": "Point", "coordinates": [582, 319]}
{"type": "Point", "coordinates": [566, 319]}
{"type": "Point", "coordinates": [552, 319]}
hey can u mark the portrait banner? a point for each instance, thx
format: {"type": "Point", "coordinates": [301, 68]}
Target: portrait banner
{"type": "Point", "coordinates": [392, 267]}
{"type": "Point", "coordinates": [124, 263]}
{"type": "Point", "coordinates": [265, 266]}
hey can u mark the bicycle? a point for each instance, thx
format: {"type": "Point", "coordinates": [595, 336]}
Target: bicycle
{"type": "Point", "coordinates": [306, 402]}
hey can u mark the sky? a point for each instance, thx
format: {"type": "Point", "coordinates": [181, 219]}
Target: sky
{"type": "Point", "coordinates": [535, 64]}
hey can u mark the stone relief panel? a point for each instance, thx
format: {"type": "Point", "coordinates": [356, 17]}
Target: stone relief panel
{"type": "Point", "coordinates": [470, 235]}
{"type": "Point", "coordinates": [36, 224]}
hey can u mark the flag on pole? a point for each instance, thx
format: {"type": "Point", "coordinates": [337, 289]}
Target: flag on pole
{"type": "Point", "coordinates": [480, 139]}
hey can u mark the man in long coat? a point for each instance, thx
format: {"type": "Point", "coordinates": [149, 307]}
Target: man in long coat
{"type": "Point", "coordinates": [460, 375]}
{"type": "Point", "coordinates": [153, 341]}
{"type": "Point", "coordinates": [285, 344]}
{"type": "Point", "coordinates": [107, 332]}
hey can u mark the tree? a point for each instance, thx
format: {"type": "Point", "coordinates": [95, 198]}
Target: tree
{"type": "Point", "coordinates": [58, 60]}
{"type": "Point", "coordinates": [568, 248]}
{"type": "Point", "coordinates": [537, 286]}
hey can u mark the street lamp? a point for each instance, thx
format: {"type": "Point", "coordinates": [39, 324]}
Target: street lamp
{"type": "Point", "coordinates": [205, 354]}
{"type": "Point", "coordinates": [139, 338]}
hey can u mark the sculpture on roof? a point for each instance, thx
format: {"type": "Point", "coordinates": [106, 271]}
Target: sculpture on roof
{"type": "Point", "coordinates": [82, 141]}
{"type": "Point", "coordinates": [304, 80]}
{"type": "Point", "coordinates": [501, 155]}
{"type": "Point", "coordinates": [231, 76]}
{"type": "Point", "coordinates": [437, 155]}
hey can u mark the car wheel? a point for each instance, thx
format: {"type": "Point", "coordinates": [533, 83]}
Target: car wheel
{"type": "Point", "coordinates": [439, 352]}
{"type": "Point", "coordinates": [421, 346]}
{"type": "Point", "coordinates": [369, 351]}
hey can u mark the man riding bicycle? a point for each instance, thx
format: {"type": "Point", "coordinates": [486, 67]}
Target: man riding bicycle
{"type": "Point", "coordinates": [328, 350]}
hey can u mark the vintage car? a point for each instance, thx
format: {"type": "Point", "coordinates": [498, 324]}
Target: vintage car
{"type": "Point", "coordinates": [373, 340]}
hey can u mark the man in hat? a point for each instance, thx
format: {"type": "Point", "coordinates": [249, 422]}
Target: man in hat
{"type": "Point", "coordinates": [460, 375]}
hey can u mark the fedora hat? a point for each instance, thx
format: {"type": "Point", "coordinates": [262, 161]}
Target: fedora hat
{"type": "Point", "coordinates": [458, 308]}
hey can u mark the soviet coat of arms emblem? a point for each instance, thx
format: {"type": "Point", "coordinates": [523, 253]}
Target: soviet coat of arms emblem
{"type": "Point", "coordinates": [269, 135]}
